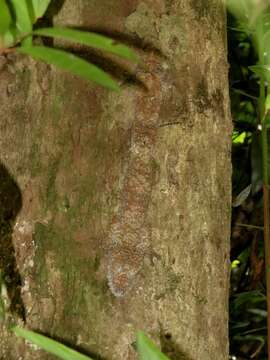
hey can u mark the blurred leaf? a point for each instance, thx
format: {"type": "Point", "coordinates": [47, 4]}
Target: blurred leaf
{"type": "Point", "coordinates": [241, 9]}
{"type": "Point", "coordinates": [22, 16]}
{"type": "Point", "coordinates": [260, 312]}
{"type": "Point", "coordinates": [262, 27]}
{"type": "Point", "coordinates": [267, 103]}
{"type": "Point", "coordinates": [261, 339]}
{"type": "Point", "coordinates": [243, 257]}
{"type": "Point", "coordinates": [5, 18]}
{"type": "Point", "coordinates": [240, 325]}
{"type": "Point", "coordinates": [242, 196]}
{"type": "Point", "coordinates": [90, 39]}
{"type": "Point", "coordinates": [239, 138]}
{"type": "Point", "coordinates": [250, 297]}
{"type": "Point", "coordinates": [9, 38]}
{"type": "Point", "coordinates": [53, 347]}
{"type": "Point", "coordinates": [256, 163]}
{"type": "Point", "coordinates": [39, 8]}
{"type": "Point", "coordinates": [263, 71]}
{"type": "Point", "coordinates": [147, 349]}
{"type": "Point", "coordinates": [71, 63]}
{"type": "Point", "coordinates": [235, 264]}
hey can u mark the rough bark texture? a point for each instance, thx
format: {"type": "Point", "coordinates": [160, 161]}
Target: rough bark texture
{"type": "Point", "coordinates": [120, 202]}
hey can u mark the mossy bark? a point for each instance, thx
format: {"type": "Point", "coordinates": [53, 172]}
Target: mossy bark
{"type": "Point", "coordinates": [123, 217]}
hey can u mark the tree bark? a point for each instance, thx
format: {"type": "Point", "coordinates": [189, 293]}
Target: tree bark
{"type": "Point", "coordinates": [121, 217]}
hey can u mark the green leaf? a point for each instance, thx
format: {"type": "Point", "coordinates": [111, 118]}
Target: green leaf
{"type": "Point", "coordinates": [262, 70]}
{"type": "Point", "coordinates": [22, 17]}
{"type": "Point", "coordinates": [9, 38]}
{"type": "Point", "coordinates": [256, 163]}
{"type": "Point", "coordinates": [71, 63]}
{"type": "Point", "coordinates": [241, 10]}
{"type": "Point", "coordinates": [49, 345]}
{"type": "Point", "coordinates": [39, 8]}
{"type": "Point", "coordinates": [147, 349]}
{"type": "Point", "coordinates": [5, 17]}
{"type": "Point", "coordinates": [90, 39]}
{"type": "Point", "coordinates": [267, 103]}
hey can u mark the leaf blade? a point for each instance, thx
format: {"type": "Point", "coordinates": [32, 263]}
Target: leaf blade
{"type": "Point", "coordinates": [5, 17]}
{"type": "Point", "coordinates": [39, 8]}
{"type": "Point", "coordinates": [147, 349]}
{"type": "Point", "coordinates": [23, 20]}
{"type": "Point", "coordinates": [90, 39]}
{"type": "Point", "coordinates": [262, 70]}
{"type": "Point", "coordinates": [70, 63]}
{"type": "Point", "coordinates": [49, 345]}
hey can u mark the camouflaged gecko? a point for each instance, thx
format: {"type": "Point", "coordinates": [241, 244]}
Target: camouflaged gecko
{"type": "Point", "coordinates": [129, 235]}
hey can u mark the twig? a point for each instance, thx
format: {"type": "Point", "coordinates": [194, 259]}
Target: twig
{"type": "Point", "coordinates": [250, 226]}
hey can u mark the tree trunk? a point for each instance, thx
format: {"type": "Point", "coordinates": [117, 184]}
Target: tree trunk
{"type": "Point", "coordinates": [120, 201]}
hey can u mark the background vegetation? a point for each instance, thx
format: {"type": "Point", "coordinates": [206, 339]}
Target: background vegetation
{"type": "Point", "coordinates": [248, 315]}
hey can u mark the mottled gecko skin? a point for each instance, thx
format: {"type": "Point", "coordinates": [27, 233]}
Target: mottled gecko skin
{"type": "Point", "coordinates": [129, 235]}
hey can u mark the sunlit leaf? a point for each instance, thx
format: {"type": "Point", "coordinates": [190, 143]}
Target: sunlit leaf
{"type": "Point", "coordinates": [235, 264]}
{"type": "Point", "coordinates": [90, 39]}
{"type": "Point", "coordinates": [147, 349]}
{"type": "Point", "coordinates": [9, 37]}
{"type": "Point", "coordinates": [71, 63]}
{"type": "Point", "coordinates": [267, 103]}
{"type": "Point", "coordinates": [239, 138]}
{"type": "Point", "coordinates": [262, 70]}
{"type": "Point", "coordinates": [53, 347]}
{"type": "Point", "coordinates": [5, 17]}
{"type": "Point", "coordinates": [39, 8]}
{"type": "Point", "coordinates": [23, 20]}
{"type": "Point", "coordinates": [240, 9]}
{"type": "Point", "coordinates": [262, 27]}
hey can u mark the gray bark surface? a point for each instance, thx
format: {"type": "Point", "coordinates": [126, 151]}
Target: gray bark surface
{"type": "Point", "coordinates": [122, 213]}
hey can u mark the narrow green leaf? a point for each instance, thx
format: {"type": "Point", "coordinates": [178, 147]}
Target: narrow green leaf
{"type": "Point", "coordinates": [9, 38]}
{"type": "Point", "coordinates": [256, 163]}
{"type": "Point", "coordinates": [71, 63]}
{"type": "Point", "coordinates": [90, 39]}
{"type": "Point", "coordinates": [262, 70]}
{"type": "Point", "coordinates": [240, 9]}
{"type": "Point", "coordinates": [5, 17]}
{"type": "Point", "coordinates": [23, 21]}
{"type": "Point", "coordinates": [49, 345]}
{"type": "Point", "coordinates": [147, 349]}
{"type": "Point", "coordinates": [267, 104]}
{"type": "Point", "coordinates": [39, 8]}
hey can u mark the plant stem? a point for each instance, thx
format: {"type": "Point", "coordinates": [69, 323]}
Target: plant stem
{"type": "Point", "coordinates": [249, 226]}
{"type": "Point", "coordinates": [265, 205]}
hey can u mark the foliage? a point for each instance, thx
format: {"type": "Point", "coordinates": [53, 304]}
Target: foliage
{"type": "Point", "coordinates": [249, 32]}
{"type": "Point", "coordinates": [17, 27]}
{"type": "Point", "coordinates": [51, 346]}
{"type": "Point", "coordinates": [147, 350]}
